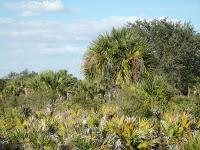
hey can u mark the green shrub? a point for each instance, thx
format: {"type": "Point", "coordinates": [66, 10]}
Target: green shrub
{"type": "Point", "coordinates": [194, 143]}
{"type": "Point", "coordinates": [134, 102]}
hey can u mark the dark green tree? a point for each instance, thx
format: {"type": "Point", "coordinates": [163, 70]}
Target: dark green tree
{"type": "Point", "coordinates": [176, 48]}
{"type": "Point", "coordinates": [2, 84]}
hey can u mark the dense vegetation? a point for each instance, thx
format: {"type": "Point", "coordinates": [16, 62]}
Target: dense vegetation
{"type": "Point", "coordinates": [141, 91]}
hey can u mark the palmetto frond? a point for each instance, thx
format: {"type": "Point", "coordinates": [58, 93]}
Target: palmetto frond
{"type": "Point", "coordinates": [116, 56]}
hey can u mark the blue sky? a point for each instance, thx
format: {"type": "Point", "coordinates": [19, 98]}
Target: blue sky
{"type": "Point", "coordinates": [54, 34]}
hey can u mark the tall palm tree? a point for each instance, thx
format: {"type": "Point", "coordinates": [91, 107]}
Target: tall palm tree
{"type": "Point", "coordinates": [116, 58]}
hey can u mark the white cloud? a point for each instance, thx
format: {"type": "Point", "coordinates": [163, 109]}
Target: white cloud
{"type": "Point", "coordinates": [46, 5]}
{"type": "Point", "coordinates": [62, 50]}
{"type": "Point", "coordinates": [30, 14]}
{"type": "Point", "coordinates": [36, 8]}
{"type": "Point", "coordinates": [5, 21]}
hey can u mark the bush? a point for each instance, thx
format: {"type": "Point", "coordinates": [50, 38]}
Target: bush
{"type": "Point", "coordinates": [184, 103]}
{"type": "Point", "coordinates": [133, 102]}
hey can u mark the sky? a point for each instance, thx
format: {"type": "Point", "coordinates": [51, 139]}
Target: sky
{"type": "Point", "coordinates": [41, 35]}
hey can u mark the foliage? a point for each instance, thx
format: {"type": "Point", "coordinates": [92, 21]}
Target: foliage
{"type": "Point", "coordinates": [122, 47]}
{"type": "Point", "coordinates": [78, 128]}
{"type": "Point", "coordinates": [176, 50]}
{"type": "Point", "coordinates": [133, 95]}
{"type": "Point", "coordinates": [157, 47]}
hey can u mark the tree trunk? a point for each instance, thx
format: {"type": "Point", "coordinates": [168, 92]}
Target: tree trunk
{"type": "Point", "coordinates": [185, 90]}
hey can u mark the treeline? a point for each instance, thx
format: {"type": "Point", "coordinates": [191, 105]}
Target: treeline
{"type": "Point", "coordinates": [158, 47]}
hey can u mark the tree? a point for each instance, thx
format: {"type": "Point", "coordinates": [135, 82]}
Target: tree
{"type": "Point", "coordinates": [159, 47]}
{"type": "Point", "coordinates": [176, 48]}
{"type": "Point", "coordinates": [60, 83]}
{"type": "Point", "coordinates": [116, 58]}
{"type": "Point", "coordinates": [2, 84]}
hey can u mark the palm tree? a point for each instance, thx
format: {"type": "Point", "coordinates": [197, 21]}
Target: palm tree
{"type": "Point", "coordinates": [116, 58]}
{"type": "Point", "coordinates": [59, 83]}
